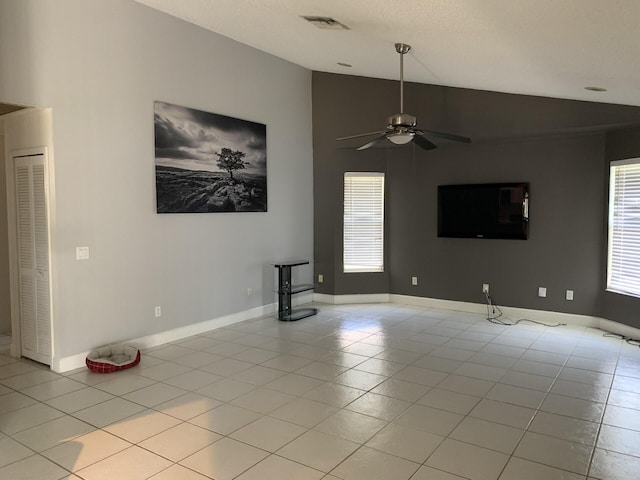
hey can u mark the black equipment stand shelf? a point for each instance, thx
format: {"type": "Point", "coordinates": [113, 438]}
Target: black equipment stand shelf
{"type": "Point", "coordinates": [286, 290]}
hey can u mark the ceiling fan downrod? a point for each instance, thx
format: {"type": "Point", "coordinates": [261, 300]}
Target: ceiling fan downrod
{"type": "Point", "coordinates": [402, 49]}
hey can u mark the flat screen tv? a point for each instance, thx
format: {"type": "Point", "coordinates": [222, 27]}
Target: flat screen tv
{"type": "Point", "coordinates": [486, 210]}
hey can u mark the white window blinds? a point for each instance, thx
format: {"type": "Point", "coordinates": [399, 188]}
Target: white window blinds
{"type": "Point", "coordinates": [623, 273]}
{"type": "Point", "coordinates": [363, 222]}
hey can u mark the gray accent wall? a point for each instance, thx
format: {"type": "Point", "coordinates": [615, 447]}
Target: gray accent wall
{"type": "Point", "coordinates": [557, 146]}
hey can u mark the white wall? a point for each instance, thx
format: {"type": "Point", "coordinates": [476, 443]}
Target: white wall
{"type": "Point", "coordinates": [99, 66]}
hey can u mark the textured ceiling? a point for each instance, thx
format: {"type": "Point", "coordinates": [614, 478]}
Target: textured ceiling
{"type": "Point", "coordinates": [538, 47]}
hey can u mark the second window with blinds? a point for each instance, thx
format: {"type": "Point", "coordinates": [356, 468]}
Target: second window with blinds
{"type": "Point", "coordinates": [363, 235]}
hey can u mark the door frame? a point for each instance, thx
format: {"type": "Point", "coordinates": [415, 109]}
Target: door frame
{"type": "Point", "coordinates": [12, 220]}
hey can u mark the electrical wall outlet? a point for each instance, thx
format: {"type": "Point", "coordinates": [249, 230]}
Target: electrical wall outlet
{"type": "Point", "coordinates": [158, 311]}
{"type": "Point", "coordinates": [414, 280]}
{"type": "Point", "coordinates": [485, 288]}
{"type": "Point", "coordinates": [569, 295]}
{"type": "Point", "coordinates": [249, 291]}
{"type": "Point", "coordinates": [320, 278]}
{"type": "Point", "coordinates": [542, 292]}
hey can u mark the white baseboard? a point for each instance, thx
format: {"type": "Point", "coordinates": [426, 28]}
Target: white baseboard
{"type": "Point", "coordinates": [72, 362]}
{"type": "Point", "coordinates": [349, 299]}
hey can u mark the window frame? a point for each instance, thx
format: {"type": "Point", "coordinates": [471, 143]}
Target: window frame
{"type": "Point", "coordinates": [377, 244]}
{"type": "Point", "coordinates": [620, 275]}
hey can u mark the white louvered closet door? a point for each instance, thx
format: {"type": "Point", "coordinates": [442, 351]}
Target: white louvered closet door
{"type": "Point", "coordinates": [33, 257]}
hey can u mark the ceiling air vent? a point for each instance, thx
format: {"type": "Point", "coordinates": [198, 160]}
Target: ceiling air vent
{"type": "Point", "coordinates": [326, 23]}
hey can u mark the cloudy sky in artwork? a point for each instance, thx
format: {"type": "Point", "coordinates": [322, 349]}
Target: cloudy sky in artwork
{"type": "Point", "coordinates": [189, 139]}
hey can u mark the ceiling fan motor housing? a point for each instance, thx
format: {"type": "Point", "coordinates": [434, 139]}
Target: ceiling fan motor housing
{"type": "Point", "coordinates": [401, 120]}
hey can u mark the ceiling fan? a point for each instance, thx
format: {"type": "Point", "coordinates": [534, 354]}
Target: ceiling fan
{"type": "Point", "coordinates": [401, 127]}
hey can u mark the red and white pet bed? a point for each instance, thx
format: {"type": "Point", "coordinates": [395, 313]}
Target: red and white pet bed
{"type": "Point", "coordinates": [113, 358]}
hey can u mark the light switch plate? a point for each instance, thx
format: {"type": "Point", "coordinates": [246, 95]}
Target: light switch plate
{"type": "Point", "coordinates": [542, 292]}
{"type": "Point", "coordinates": [82, 253]}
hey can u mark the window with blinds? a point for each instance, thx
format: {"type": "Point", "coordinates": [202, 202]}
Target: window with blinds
{"type": "Point", "coordinates": [623, 272]}
{"type": "Point", "coordinates": [363, 237]}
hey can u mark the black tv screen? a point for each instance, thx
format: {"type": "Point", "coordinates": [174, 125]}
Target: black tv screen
{"type": "Point", "coordinates": [487, 210]}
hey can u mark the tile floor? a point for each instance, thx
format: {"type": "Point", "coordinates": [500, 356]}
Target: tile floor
{"type": "Point", "coordinates": [362, 392]}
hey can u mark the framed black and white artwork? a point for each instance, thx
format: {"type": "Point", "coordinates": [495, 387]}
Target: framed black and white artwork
{"type": "Point", "coordinates": [207, 162]}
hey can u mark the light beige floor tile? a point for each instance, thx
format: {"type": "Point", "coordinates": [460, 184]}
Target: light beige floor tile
{"type": "Point", "coordinates": [226, 367]}
{"type": "Point", "coordinates": [178, 472]}
{"type": "Point", "coordinates": [367, 463]}
{"type": "Point", "coordinates": [154, 394]}
{"type": "Point", "coordinates": [487, 434]}
{"type": "Point", "coordinates": [225, 419]}
{"type": "Point", "coordinates": [15, 368]}
{"type": "Point", "coordinates": [188, 406]}
{"type": "Point", "coordinates": [304, 412]}
{"type": "Point", "coordinates": [483, 372]}
{"type": "Point", "coordinates": [193, 380]}
{"type": "Point", "coordinates": [358, 379]}
{"type": "Point", "coordinates": [180, 441]}
{"type": "Point", "coordinates": [12, 401]}
{"type": "Point", "coordinates": [123, 383]}
{"type": "Point", "coordinates": [163, 371]}
{"type": "Point", "coordinates": [318, 450]}
{"type": "Point", "coordinates": [421, 376]}
{"type": "Point", "coordinates": [352, 426]}
{"type": "Point", "coordinates": [294, 384]}
{"type": "Point", "coordinates": [429, 419]}
{"type": "Point", "coordinates": [224, 459]}
{"type": "Point", "coordinates": [566, 428]}
{"type": "Point", "coordinates": [554, 452]}
{"type": "Point", "coordinates": [268, 433]}
{"type": "Point", "coordinates": [80, 399]}
{"type": "Point", "coordinates": [343, 359]}
{"type": "Point", "coordinates": [379, 406]}
{"type": "Point", "coordinates": [258, 375]}
{"type": "Point", "coordinates": [620, 382]}
{"type": "Point", "coordinates": [27, 417]}
{"type": "Point", "coordinates": [613, 465]}
{"type": "Point", "coordinates": [440, 364]}
{"type": "Point", "coordinates": [142, 425]}
{"type": "Point", "coordinates": [622, 417]}
{"type": "Point", "coordinates": [619, 440]}
{"type": "Point", "coordinates": [450, 401]}
{"type": "Point", "coordinates": [523, 397]}
{"type": "Point", "coordinates": [586, 376]}
{"type": "Point", "coordinates": [321, 370]}
{"type": "Point", "coordinates": [262, 400]}
{"type": "Point", "coordinates": [86, 450]}
{"type": "Point", "coordinates": [167, 352]}
{"type": "Point", "coordinates": [404, 442]}
{"type": "Point", "coordinates": [55, 432]}
{"type": "Point", "coordinates": [527, 380]}
{"type": "Point", "coordinates": [197, 359]}
{"type": "Point", "coordinates": [12, 451]}
{"type": "Point", "coordinates": [580, 390]}
{"type": "Point", "coordinates": [380, 367]}
{"type": "Point", "coordinates": [520, 469]}
{"type": "Point", "coordinates": [537, 368]}
{"type": "Point", "coordinates": [134, 463]}
{"type": "Point", "coordinates": [573, 407]}
{"type": "Point", "coordinates": [428, 473]}
{"type": "Point", "coordinates": [226, 389]}
{"type": "Point", "coordinates": [277, 468]}
{"type": "Point", "coordinates": [255, 355]}
{"type": "Point", "coordinates": [621, 398]}
{"type": "Point", "coordinates": [106, 413]}
{"type": "Point", "coordinates": [35, 467]}
{"type": "Point", "coordinates": [468, 461]}
{"type": "Point", "coordinates": [55, 388]}
{"type": "Point", "coordinates": [466, 385]}
{"type": "Point", "coordinates": [334, 394]}
{"type": "Point", "coordinates": [25, 380]}
{"type": "Point", "coordinates": [401, 389]}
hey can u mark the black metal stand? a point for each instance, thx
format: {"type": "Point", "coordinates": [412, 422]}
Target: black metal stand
{"type": "Point", "coordinates": [286, 290]}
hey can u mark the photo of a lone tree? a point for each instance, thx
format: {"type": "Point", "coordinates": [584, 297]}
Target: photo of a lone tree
{"type": "Point", "coordinates": [207, 162]}
{"type": "Point", "coordinates": [230, 160]}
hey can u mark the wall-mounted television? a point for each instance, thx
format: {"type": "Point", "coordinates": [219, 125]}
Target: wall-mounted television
{"type": "Point", "coordinates": [485, 210]}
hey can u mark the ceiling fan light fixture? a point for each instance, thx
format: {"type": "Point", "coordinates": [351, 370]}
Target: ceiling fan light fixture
{"type": "Point", "coordinates": [400, 138]}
